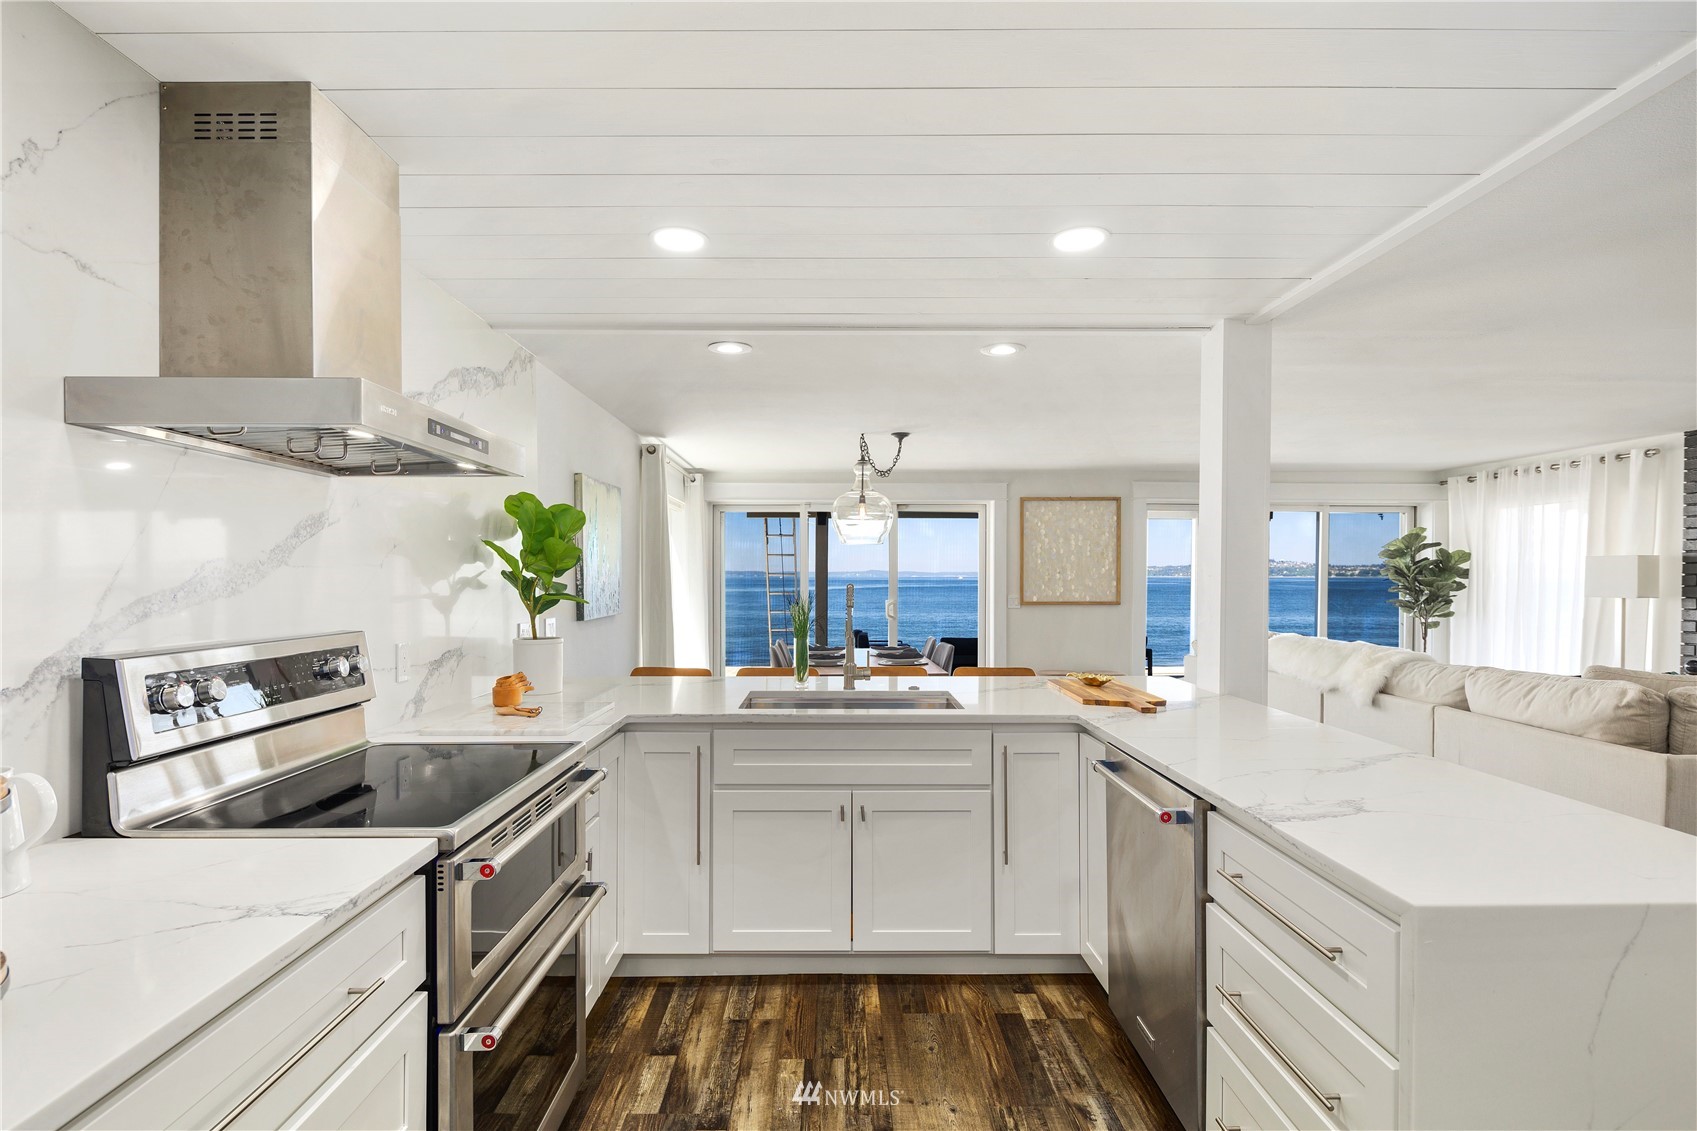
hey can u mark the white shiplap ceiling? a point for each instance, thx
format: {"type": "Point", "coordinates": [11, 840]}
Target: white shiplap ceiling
{"type": "Point", "coordinates": [901, 166]}
{"type": "Point", "coordinates": [905, 163]}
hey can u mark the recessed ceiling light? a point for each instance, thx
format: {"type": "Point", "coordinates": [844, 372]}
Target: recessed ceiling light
{"type": "Point", "coordinates": [1080, 239]}
{"type": "Point", "coordinates": [467, 466]}
{"type": "Point", "coordinates": [1002, 349]}
{"type": "Point", "coordinates": [118, 465]}
{"type": "Point", "coordinates": [360, 434]}
{"type": "Point", "coordinates": [730, 347]}
{"type": "Point", "coordinates": [680, 239]}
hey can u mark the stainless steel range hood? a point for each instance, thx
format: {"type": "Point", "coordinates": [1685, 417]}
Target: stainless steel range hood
{"type": "Point", "coordinates": [280, 297]}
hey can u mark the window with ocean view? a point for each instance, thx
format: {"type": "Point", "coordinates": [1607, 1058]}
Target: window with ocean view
{"type": "Point", "coordinates": [1355, 603]}
{"type": "Point", "coordinates": [772, 556]}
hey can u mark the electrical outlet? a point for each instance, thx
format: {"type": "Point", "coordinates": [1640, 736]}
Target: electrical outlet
{"type": "Point", "coordinates": [549, 626]}
{"type": "Point", "coordinates": [403, 663]}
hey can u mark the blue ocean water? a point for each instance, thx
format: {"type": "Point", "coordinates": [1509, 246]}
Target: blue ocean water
{"type": "Point", "coordinates": [1358, 608]}
{"type": "Point", "coordinates": [931, 605]}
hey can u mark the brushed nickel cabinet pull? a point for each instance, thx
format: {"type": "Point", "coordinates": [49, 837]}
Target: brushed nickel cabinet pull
{"type": "Point", "coordinates": [300, 1054]}
{"type": "Point", "coordinates": [1226, 1126]}
{"type": "Point", "coordinates": [698, 806]}
{"type": "Point", "coordinates": [863, 814]}
{"type": "Point", "coordinates": [842, 813]}
{"type": "Point", "coordinates": [1329, 1100]}
{"type": "Point", "coordinates": [1235, 879]}
{"type": "Point", "coordinates": [1007, 788]}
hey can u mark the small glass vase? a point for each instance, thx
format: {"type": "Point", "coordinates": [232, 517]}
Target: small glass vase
{"type": "Point", "coordinates": [801, 661]}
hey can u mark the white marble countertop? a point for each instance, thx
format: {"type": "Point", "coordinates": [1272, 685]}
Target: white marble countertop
{"type": "Point", "coordinates": [120, 949]}
{"type": "Point", "coordinates": [1402, 830]}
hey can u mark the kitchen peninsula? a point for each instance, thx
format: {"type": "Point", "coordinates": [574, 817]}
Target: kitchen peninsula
{"type": "Point", "coordinates": [1389, 922]}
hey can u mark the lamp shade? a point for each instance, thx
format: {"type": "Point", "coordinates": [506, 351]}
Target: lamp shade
{"type": "Point", "coordinates": [1623, 575]}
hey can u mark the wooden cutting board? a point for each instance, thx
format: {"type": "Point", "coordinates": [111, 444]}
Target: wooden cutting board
{"type": "Point", "coordinates": [1115, 694]}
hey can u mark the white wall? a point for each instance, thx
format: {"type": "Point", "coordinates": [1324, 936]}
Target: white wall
{"type": "Point", "coordinates": [183, 547]}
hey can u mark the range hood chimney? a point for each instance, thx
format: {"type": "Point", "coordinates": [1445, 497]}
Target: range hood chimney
{"type": "Point", "coordinates": [280, 297]}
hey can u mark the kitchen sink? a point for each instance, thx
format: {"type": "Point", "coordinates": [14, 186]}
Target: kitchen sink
{"type": "Point", "coordinates": [850, 701]}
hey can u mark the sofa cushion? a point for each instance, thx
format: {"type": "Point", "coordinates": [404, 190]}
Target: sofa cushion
{"type": "Point", "coordinates": [1354, 668]}
{"type": "Point", "coordinates": [1612, 711]}
{"type": "Point", "coordinates": [1682, 721]}
{"type": "Point", "coordinates": [1442, 684]}
{"type": "Point", "coordinates": [1652, 680]}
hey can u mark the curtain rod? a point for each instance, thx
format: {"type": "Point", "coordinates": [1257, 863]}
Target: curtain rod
{"type": "Point", "coordinates": [690, 473]}
{"type": "Point", "coordinates": [1539, 469]}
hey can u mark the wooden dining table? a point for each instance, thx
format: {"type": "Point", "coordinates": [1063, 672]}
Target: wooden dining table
{"type": "Point", "coordinates": [867, 662]}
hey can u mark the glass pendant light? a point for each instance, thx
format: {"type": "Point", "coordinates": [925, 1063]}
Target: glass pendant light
{"type": "Point", "coordinates": [862, 516]}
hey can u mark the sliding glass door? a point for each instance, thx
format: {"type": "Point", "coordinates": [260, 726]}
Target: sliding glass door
{"type": "Point", "coordinates": [925, 580]}
{"type": "Point", "coordinates": [1358, 597]}
{"type": "Point", "coordinates": [1171, 541]}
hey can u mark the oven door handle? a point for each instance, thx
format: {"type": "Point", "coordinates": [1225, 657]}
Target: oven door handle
{"type": "Point", "coordinates": [484, 1038]}
{"type": "Point", "coordinates": [488, 867]}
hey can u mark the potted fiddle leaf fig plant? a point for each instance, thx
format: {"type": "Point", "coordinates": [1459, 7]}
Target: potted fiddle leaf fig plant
{"type": "Point", "coordinates": [1425, 585]}
{"type": "Point", "coordinates": [547, 551]}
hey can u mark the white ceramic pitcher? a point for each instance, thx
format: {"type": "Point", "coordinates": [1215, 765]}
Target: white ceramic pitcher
{"type": "Point", "coordinates": [26, 813]}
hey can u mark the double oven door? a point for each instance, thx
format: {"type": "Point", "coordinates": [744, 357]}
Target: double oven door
{"type": "Point", "coordinates": [511, 906]}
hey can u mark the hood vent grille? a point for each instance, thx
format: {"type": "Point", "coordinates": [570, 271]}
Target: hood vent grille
{"type": "Point", "coordinates": [235, 125]}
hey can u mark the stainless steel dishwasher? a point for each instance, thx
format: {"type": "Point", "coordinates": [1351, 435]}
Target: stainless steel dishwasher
{"type": "Point", "coordinates": [1155, 896]}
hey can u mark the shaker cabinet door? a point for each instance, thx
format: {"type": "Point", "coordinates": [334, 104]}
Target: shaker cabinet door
{"type": "Point", "coordinates": [781, 869]}
{"type": "Point", "coordinates": [665, 838]}
{"type": "Point", "coordinates": [922, 869]}
{"type": "Point", "coordinates": [1036, 847]}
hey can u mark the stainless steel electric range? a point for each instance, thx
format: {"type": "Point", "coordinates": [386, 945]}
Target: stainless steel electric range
{"type": "Point", "coordinates": [268, 738]}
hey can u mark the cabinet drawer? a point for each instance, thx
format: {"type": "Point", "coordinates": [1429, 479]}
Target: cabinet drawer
{"type": "Point", "coordinates": [385, 1083]}
{"type": "Point", "coordinates": [1284, 1033]}
{"type": "Point", "coordinates": [1299, 917]}
{"type": "Point", "coordinates": [319, 997]}
{"type": "Point", "coordinates": [1234, 1101]}
{"type": "Point", "coordinates": [851, 756]}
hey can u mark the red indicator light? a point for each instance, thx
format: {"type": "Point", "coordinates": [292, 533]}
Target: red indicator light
{"type": "Point", "coordinates": [1166, 818]}
{"type": "Point", "coordinates": [487, 871]}
{"type": "Point", "coordinates": [489, 1040]}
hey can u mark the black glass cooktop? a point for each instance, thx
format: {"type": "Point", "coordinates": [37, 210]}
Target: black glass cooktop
{"type": "Point", "coordinates": [401, 787]}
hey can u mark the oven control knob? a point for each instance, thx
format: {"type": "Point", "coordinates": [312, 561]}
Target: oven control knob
{"type": "Point", "coordinates": [209, 691]}
{"type": "Point", "coordinates": [357, 664]}
{"type": "Point", "coordinates": [331, 667]}
{"type": "Point", "coordinates": [483, 1039]}
{"type": "Point", "coordinates": [165, 698]}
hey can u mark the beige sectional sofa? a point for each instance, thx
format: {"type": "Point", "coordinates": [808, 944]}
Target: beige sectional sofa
{"type": "Point", "coordinates": [1618, 739]}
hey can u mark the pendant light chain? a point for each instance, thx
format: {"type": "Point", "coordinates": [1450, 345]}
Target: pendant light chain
{"type": "Point", "coordinates": [866, 454]}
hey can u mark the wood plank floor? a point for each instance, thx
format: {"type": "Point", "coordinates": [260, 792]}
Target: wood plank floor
{"type": "Point", "coordinates": [1002, 1052]}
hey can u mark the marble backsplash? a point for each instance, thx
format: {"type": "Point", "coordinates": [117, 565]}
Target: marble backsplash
{"type": "Point", "coordinates": [111, 545]}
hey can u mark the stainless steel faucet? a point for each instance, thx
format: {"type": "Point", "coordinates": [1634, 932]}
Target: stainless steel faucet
{"type": "Point", "coordinates": [851, 671]}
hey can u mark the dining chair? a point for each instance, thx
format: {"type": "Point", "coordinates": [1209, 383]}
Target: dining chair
{"type": "Point", "coordinates": [670, 671]}
{"type": "Point", "coordinates": [970, 670]}
{"type": "Point", "coordinates": [905, 670]}
{"type": "Point", "coordinates": [930, 647]}
{"type": "Point", "coordinates": [812, 671]}
{"type": "Point", "coordinates": [943, 655]}
{"type": "Point", "coordinates": [782, 655]}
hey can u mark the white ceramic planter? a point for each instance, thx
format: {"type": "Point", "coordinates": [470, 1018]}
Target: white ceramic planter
{"type": "Point", "coordinates": [544, 661]}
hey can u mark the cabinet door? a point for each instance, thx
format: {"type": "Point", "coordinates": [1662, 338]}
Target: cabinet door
{"type": "Point", "coordinates": [1036, 852]}
{"type": "Point", "coordinates": [922, 869]}
{"type": "Point", "coordinates": [781, 869]}
{"type": "Point", "coordinates": [385, 1083]}
{"type": "Point", "coordinates": [604, 933]}
{"type": "Point", "coordinates": [664, 842]}
{"type": "Point", "coordinates": [1093, 859]}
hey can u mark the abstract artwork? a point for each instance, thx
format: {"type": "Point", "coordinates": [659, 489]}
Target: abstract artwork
{"type": "Point", "coordinates": [1069, 551]}
{"type": "Point", "coordinates": [602, 541]}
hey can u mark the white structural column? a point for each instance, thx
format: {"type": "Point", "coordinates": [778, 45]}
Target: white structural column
{"type": "Point", "coordinates": [1231, 528]}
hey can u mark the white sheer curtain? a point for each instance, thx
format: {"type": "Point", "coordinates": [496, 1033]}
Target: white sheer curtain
{"type": "Point", "coordinates": [672, 617]}
{"type": "Point", "coordinates": [690, 560]}
{"type": "Point", "coordinates": [1527, 527]}
{"type": "Point", "coordinates": [1635, 509]}
{"type": "Point", "coordinates": [654, 585]}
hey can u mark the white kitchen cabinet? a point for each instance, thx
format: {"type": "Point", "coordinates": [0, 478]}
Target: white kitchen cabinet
{"type": "Point", "coordinates": [292, 1038]}
{"type": "Point", "coordinates": [385, 1084]}
{"type": "Point", "coordinates": [781, 869]}
{"type": "Point", "coordinates": [664, 841]}
{"type": "Point", "coordinates": [922, 870]}
{"type": "Point", "coordinates": [1036, 845]}
{"type": "Point", "coordinates": [1093, 859]}
{"type": "Point", "coordinates": [605, 930]}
